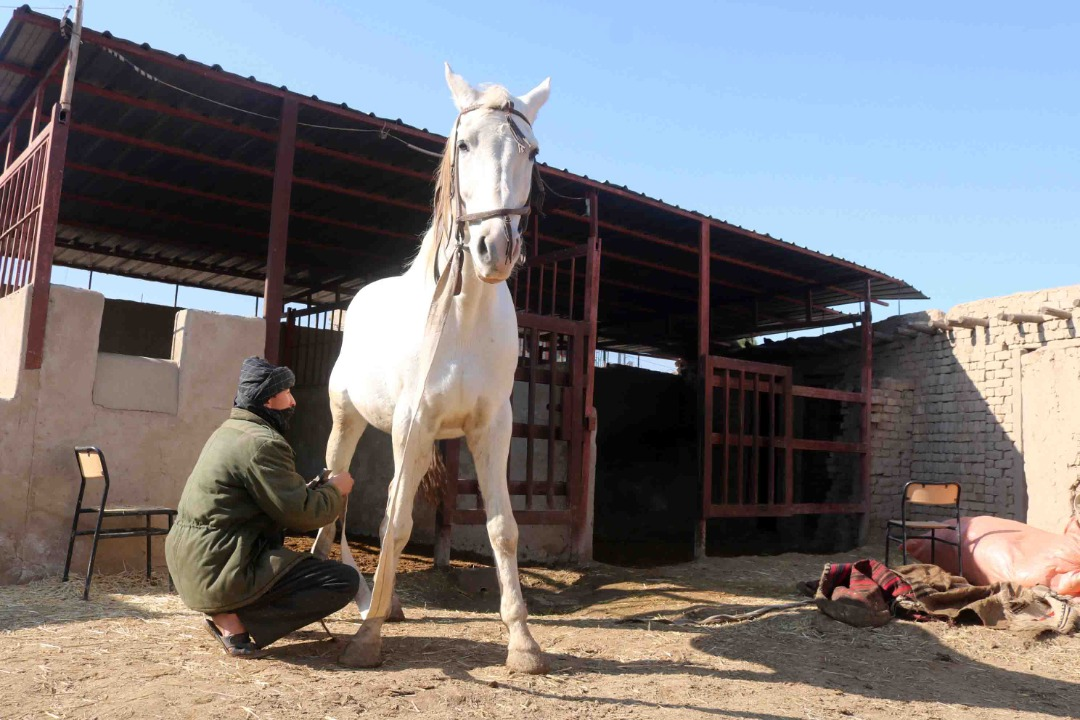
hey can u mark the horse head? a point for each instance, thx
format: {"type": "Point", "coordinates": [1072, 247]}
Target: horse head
{"type": "Point", "coordinates": [486, 178]}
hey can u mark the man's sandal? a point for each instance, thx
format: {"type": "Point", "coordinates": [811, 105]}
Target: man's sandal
{"type": "Point", "coordinates": [238, 646]}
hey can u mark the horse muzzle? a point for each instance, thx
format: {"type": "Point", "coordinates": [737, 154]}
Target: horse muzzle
{"type": "Point", "coordinates": [494, 255]}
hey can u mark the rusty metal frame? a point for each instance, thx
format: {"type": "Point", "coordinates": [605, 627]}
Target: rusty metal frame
{"type": "Point", "coordinates": [743, 492]}
{"type": "Point", "coordinates": [555, 332]}
{"type": "Point", "coordinates": [279, 227]}
{"type": "Point", "coordinates": [45, 237]}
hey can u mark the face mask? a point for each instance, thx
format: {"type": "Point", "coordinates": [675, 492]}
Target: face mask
{"type": "Point", "coordinates": [281, 419]}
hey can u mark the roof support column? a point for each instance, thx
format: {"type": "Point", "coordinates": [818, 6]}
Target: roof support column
{"type": "Point", "coordinates": [279, 227]}
{"type": "Point", "coordinates": [705, 391]}
{"type": "Point", "coordinates": [581, 531]}
{"type": "Point", "coordinates": [864, 425]}
{"type": "Point", "coordinates": [51, 184]}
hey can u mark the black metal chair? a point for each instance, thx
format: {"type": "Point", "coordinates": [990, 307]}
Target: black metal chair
{"type": "Point", "coordinates": [92, 466]}
{"type": "Point", "coordinates": [940, 494]}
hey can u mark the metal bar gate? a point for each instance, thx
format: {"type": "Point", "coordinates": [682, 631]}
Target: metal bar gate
{"type": "Point", "coordinates": [750, 442]}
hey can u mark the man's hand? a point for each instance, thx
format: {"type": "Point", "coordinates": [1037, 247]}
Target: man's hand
{"type": "Point", "coordinates": [343, 482]}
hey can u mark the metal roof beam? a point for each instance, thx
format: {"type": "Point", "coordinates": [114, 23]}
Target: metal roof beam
{"type": "Point", "coordinates": [17, 69]}
{"type": "Point", "coordinates": [244, 167]}
{"type": "Point", "coordinates": [209, 250]}
{"type": "Point", "coordinates": [216, 74]}
{"type": "Point", "coordinates": [179, 113]}
{"type": "Point", "coordinates": [715, 256]}
{"type": "Point", "coordinates": [261, 235]}
{"type": "Point", "coordinates": [31, 98]}
{"type": "Point", "coordinates": [265, 207]}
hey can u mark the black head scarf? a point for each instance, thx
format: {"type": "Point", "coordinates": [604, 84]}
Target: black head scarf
{"type": "Point", "coordinates": [260, 381]}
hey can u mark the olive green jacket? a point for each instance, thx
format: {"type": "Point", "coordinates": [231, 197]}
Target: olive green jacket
{"type": "Point", "coordinates": [226, 547]}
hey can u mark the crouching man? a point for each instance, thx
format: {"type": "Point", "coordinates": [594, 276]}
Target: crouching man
{"type": "Point", "coordinates": [226, 550]}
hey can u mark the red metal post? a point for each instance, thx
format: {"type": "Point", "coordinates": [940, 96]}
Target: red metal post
{"type": "Point", "coordinates": [725, 472]}
{"type": "Point", "coordinates": [553, 357]}
{"type": "Point", "coordinates": [530, 441]}
{"type": "Point", "coordinates": [444, 514]}
{"type": "Point", "coordinates": [867, 394]}
{"type": "Point", "coordinates": [705, 383]}
{"type": "Point", "coordinates": [279, 226]}
{"type": "Point", "coordinates": [770, 439]}
{"type": "Point", "coordinates": [45, 238]}
{"type": "Point", "coordinates": [586, 367]}
{"type": "Point", "coordinates": [789, 434]}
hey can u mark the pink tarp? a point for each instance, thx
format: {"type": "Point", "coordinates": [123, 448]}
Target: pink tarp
{"type": "Point", "coordinates": [999, 550]}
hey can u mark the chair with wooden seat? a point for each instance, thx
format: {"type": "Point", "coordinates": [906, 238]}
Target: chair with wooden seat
{"type": "Point", "coordinates": [92, 466]}
{"type": "Point", "coordinates": [919, 495]}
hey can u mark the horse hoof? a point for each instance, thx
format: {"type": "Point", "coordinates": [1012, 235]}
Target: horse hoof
{"type": "Point", "coordinates": [397, 614]}
{"type": "Point", "coordinates": [362, 654]}
{"type": "Point", "coordinates": [526, 661]}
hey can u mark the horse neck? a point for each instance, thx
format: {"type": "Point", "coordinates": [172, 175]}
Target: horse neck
{"type": "Point", "coordinates": [476, 298]}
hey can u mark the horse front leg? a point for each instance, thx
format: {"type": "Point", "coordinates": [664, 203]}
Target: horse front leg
{"type": "Point", "coordinates": [348, 427]}
{"type": "Point", "coordinates": [490, 447]}
{"type": "Point", "coordinates": [411, 461]}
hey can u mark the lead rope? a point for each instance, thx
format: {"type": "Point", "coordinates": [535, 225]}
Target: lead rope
{"type": "Point", "coordinates": [433, 330]}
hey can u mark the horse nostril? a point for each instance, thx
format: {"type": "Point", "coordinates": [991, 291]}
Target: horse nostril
{"type": "Point", "coordinates": [482, 246]}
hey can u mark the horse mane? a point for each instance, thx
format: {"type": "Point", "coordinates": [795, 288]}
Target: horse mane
{"type": "Point", "coordinates": [494, 97]}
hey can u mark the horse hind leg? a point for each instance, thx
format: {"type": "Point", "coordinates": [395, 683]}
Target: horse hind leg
{"type": "Point", "coordinates": [490, 447]}
{"type": "Point", "coordinates": [348, 426]}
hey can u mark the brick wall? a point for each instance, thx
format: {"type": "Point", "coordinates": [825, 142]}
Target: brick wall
{"type": "Point", "coordinates": [947, 406]}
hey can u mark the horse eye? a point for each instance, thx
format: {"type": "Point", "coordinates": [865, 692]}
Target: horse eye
{"type": "Point", "coordinates": [463, 146]}
{"type": "Point", "coordinates": [534, 153]}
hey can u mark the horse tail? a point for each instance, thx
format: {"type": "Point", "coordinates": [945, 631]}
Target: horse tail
{"type": "Point", "coordinates": [434, 480]}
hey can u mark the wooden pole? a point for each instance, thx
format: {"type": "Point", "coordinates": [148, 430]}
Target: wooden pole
{"type": "Point", "coordinates": [969, 322]}
{"type": "Point", "coordinates": [924, 328]}
{"type": "Point", "coordinates": [67, 87]}
{"type": "Point", "coordinates": [1055, 312]}
{"type": "Point", "coordinates": [1019, 318]}
{"type": "Point", "coordinates": [279, 227]}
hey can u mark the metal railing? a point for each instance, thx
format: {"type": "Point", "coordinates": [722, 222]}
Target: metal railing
{"type": "Point", "coordinates": [311, 341]}
{"type": "Point", "coordinates": [21, 197]}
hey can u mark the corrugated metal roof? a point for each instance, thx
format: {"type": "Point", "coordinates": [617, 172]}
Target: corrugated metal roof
{"type": "Point", "coordinates": [163, 185]}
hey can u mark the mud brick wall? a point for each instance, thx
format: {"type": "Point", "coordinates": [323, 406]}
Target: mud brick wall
{"type": "Point", "coordinates": [950, 406]}
{"type": "Point", "coordinates": [891, 418]}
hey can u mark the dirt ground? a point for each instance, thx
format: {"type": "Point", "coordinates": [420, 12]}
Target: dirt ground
{"type": "Point", "coordinates": [134, 651]}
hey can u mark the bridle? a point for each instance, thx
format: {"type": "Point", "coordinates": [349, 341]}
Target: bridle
{"type": "Point", "coordinates": [461, 219]}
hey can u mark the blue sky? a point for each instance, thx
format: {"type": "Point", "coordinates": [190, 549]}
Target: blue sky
{"type": "Point", "coordinates": [937, 142]}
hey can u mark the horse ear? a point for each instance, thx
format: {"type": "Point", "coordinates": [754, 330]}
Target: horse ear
{"type": "Point", "coordinates": [460, 89]}
{"type": "Point", "coordinates": [532, 101]}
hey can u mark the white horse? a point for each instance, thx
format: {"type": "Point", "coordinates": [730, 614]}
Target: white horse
{"type": "Point", "coordinates": [481, 204]}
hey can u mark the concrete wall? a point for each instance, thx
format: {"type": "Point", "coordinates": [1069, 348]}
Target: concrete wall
{"type": "Point", "coordinates": [992, 408]}
{"type": "Point", "coordinates": [14, 316]}
{"type": "Point", "coordinates": [167, 409]}
{"type": "Point", "coordinates": [1050, 433]}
